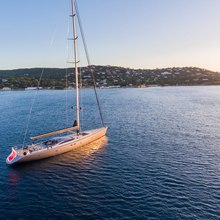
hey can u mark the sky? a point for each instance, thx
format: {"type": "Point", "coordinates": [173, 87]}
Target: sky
{"type": "Point", "coordinates": [143, 34]}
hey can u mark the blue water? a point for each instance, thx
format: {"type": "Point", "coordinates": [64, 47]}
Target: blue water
{"type": "Point", "coordinates": [161, 159]}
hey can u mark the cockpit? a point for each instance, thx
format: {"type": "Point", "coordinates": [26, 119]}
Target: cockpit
{"type": "Point", "coordinates": [54, 141]}
{"type": "Point", "coordinates": [50, 143]}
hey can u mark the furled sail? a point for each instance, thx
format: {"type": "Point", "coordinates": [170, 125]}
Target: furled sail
{"type": "Point", "coordinates": [55, 132]}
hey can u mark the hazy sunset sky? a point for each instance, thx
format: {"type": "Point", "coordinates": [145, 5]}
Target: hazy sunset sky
{"type": "Point", "coordinates": [130, 33]}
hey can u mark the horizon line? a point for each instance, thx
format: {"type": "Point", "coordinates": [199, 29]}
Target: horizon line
{"type": "Point", "coordinates": [107, 65]}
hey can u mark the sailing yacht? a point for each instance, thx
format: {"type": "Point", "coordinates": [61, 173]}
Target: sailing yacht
{"type": "Point", "coordinates": [60, 144]}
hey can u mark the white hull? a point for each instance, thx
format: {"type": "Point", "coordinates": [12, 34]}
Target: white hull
{"type": "Point", "coordinates": [70, 142]}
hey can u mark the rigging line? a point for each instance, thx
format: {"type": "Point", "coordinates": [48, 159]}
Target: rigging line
{"type": "Point", "coordinates": [88, 61]}
{"type": "Point", "coordinates": [31, 108]}
{"type": "Point", "coordinates": [82, 34]}
{"type": "Point", "coordinates": [96, 95]}
{"type": "Point", "coordinates": [67, 51]}
{"type": "Point", "coordinates": [66, 96]}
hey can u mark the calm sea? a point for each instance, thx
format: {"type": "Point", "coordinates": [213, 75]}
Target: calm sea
{"type": "Point", "coordinates": [160, 160]}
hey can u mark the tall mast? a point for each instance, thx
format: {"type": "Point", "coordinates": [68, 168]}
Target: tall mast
{"type": "Point", "coordinates": [75, 62]}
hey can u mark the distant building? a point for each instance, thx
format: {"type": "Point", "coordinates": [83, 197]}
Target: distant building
{"type": "Point", "coordinates": [141, 86]}
{"type": "Point", "coordinates": [33, 88]}
{"type": "Point", "coordinates": [6, 89]}
{"type": "Point", "coordinates": [166, 73]}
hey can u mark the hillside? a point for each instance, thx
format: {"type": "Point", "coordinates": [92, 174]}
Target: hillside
{"type": "Point", "coordinates": [108, 76]}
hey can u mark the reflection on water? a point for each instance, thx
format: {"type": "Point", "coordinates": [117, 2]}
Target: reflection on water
{"type": "Point", "coordinates": [13, 178]}
{"type": "Point", "coordinates": [81, 153]}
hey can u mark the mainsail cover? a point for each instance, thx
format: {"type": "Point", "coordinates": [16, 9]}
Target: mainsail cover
{"type": "Point", "coordinates": [55, 132]}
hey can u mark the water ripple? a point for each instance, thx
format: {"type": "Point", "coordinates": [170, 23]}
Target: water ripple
{"type": "Point", "coordinates": [160, 160]}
